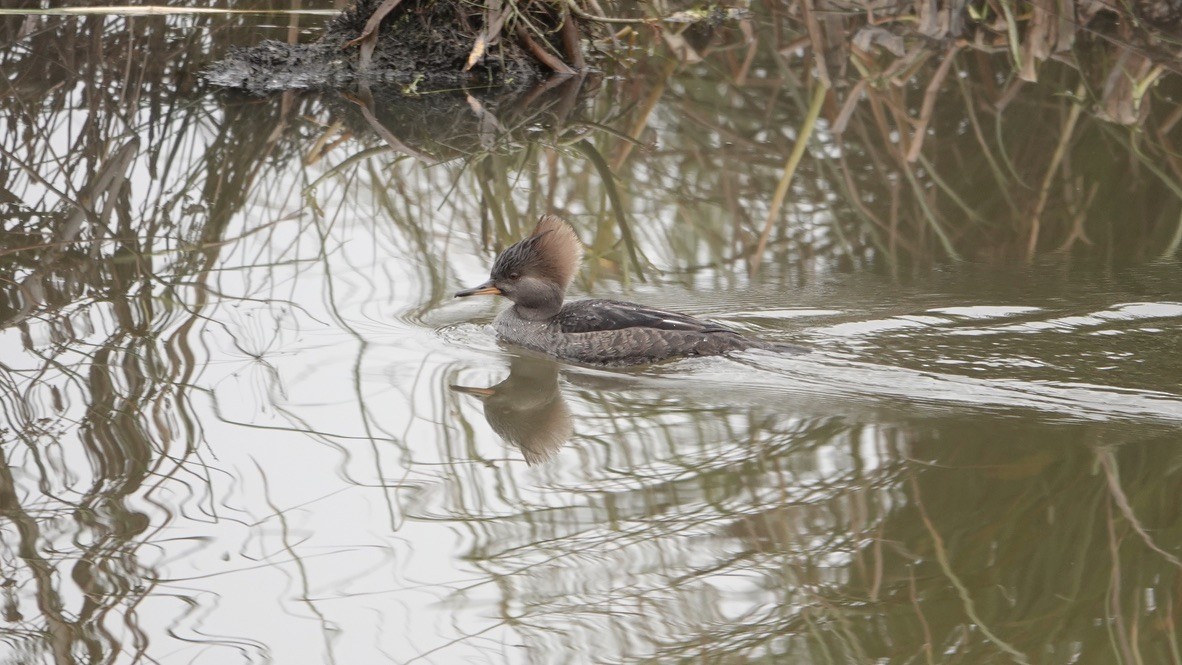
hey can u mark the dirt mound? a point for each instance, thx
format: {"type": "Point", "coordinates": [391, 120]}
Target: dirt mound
{"type": "Point", "coordinates": [421, 45]}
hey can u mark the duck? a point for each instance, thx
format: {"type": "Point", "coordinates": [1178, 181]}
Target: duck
{"type": "Point", "coordinates": [534, 274]}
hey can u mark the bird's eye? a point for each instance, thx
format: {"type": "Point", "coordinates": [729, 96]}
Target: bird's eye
{"type": "Point", "coordinates": [514, 275]}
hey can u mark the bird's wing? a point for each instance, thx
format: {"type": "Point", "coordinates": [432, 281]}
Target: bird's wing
{"type": "Point", "coordinates": [583, 316]}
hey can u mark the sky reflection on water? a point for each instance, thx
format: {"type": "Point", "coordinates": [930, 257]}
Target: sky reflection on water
{"type": "Point", "coordinates": [232, 430]}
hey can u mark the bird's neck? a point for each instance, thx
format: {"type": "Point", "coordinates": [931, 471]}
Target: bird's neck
{"type": "Point", "coordinates": [537, 299]}
{"type": "Point", "coordinates": [539, 311]}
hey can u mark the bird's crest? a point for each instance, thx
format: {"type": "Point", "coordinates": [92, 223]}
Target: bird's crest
{"type": "Point", "coordinates": [552, 250]}
{"type": "Point", "coordinates": [556, 242]}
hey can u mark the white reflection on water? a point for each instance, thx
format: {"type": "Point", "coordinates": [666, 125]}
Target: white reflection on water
{"type": "Point", "coordinates": [344, 505]}
{"type": "Point", "coordinates": [319, 493]}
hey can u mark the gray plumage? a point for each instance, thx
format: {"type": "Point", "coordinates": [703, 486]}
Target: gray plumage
{"type": "Point", "coordinates": [534, 274]}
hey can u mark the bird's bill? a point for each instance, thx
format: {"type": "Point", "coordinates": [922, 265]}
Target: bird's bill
{"type": "Point", "coordinates": [472, 390]}
{"type": "Point", "coordinates": [485, 289]}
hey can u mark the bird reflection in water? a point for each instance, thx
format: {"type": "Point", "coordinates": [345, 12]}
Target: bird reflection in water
{"type": "Point", "coordinates": [527, 409]}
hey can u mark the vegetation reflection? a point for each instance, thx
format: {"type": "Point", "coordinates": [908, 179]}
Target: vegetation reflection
{"type": "Point", "coordinates": [159, 239]}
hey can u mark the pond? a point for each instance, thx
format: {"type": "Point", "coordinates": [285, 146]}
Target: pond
{"type": "Point", "coordinates": [244, 419]}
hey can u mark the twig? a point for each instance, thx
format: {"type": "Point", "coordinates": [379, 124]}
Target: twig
{"type": "Point", "coordinates": [570, 39]}
{"type": "Point", "coordinates": [644, 112]}
{"type": "Point", "coordinates": [923, 622]}
{"type": "Point", "coordinates": [1077, 222]}
{"type": "Point", "coordinates": [929, 103]}
{"type": "Point", "coordinates": [369, 35]}
{"type": "Point", "coordinates": [547, 58]}
{"type": "Point", "coordinates": [364, 105]}
{"type": "Point", "coordinates": [961, 590]}
{"type": "Point", "coordinates": [818, 42]}
{"type": "Point", "coordinates": [578, 11]}
{"type": "Point", "coordinates": [1121, 501]}
{"type": "Point", "coordinates": [494, 19]}
{"type": "Point", "coordinates": [1056, 158]}
{"type": "Point", "coordinates": [1116, 619]}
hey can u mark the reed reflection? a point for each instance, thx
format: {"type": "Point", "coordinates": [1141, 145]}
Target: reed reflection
{"type": "Point", "coordinates": [875, 537]}
{"type": "Point", "coordinates": [721, 524]}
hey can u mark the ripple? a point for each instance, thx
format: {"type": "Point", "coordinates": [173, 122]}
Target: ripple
{"type": "Point", "coordinates": [824, 374]}
{"type": "Point", "coordinates": [985, 311]}
{"type": "Point", "coordinates": [1116, 313]}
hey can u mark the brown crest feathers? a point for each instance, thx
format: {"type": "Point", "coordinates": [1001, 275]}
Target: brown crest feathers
{"type": "Point", "coordinates": [557, 243]}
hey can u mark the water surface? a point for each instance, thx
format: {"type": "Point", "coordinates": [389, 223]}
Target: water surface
{"type": "Point", "coordinates": [244, 420]}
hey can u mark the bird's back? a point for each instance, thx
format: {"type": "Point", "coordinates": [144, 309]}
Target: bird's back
{"type": "Point", "coordinates": [612, 332]}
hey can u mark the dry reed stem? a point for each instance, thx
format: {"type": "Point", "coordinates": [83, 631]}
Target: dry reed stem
{"type": "Point", "coordinates": [876, 580]}
{"type": "Point", "coordinates": [856, 199]}
{"type": "Point", "coordinates": [752, 41]}
{"type": "Point", "coordinates": [798, 149]}
{"type": "Point", "coordinates": [1168, 152]}
{"type": "Point", "coordinates": [1114, 587]}
{"type": "Point", "coordinates": [325, 142]}
{"type": "Point", "coordinates": [1126, 509]}
{"type": "Point", "coordinates": [1172, 247]}
{"type": "Point", "coordinates": [1077, 222]}
{"type": "Point", "coordinates": [950, 192]}
{"type": "Point", "coordinates": [994, 167]}
{"type": "Point", "coordinates": [1012, 32]}
{"type": "Point", "coordinates": [923, 622]}
{"type": "Point", "coordinates": [159, 10]}
{"type": "Point", "coordinates": [369, 35]}
{"type": "Point", "coordinates": [921, 198]}
{"type": "Point", "coordinates": [495, 14]}
{"type": "Point", "coordinates": [1056, 158]}
{"type": "Point", "coordinates": [613, 195]}
{"type": "Point", "coordinates": [848, 106]}
{"type": "Point", "coordinates": [645, 111]}
{"type": "Point", "coordinates": [818, 42]}
{"type": "Point", "coordinates": [929, 102]}
{"type": "Point", "coordinates": [571, 43]}
{"type": "Point", "coordinates": [545, 57]}
{"type": "Point", "coordinates": [961, 590]}
{"type": "Point", "coordinates": [1171, 630]}
{"type": "Point", "coordinates": [894, 234]}
{"type": "Point", "coordinates": [578, 11]}
{"type": "Point", "coordinates": [1036, 47]}
{"type": "Point", "coordinates": [365, 106]}
{"type": "Point", "coordinates": [1170, 121]}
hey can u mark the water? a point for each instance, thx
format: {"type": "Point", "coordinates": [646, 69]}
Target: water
{"type": "Point", "coordinates": [244, 420]}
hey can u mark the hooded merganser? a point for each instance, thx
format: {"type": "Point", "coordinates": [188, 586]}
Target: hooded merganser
{"type": "Point", "coordinates": [534, 274]}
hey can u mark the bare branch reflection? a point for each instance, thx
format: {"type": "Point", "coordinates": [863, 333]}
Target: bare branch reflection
{"type": "Point", "coordinates": [232, 426]}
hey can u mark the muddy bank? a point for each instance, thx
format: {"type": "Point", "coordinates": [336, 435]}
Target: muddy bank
{"type": "Point", "coordinates": [420, 45]}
